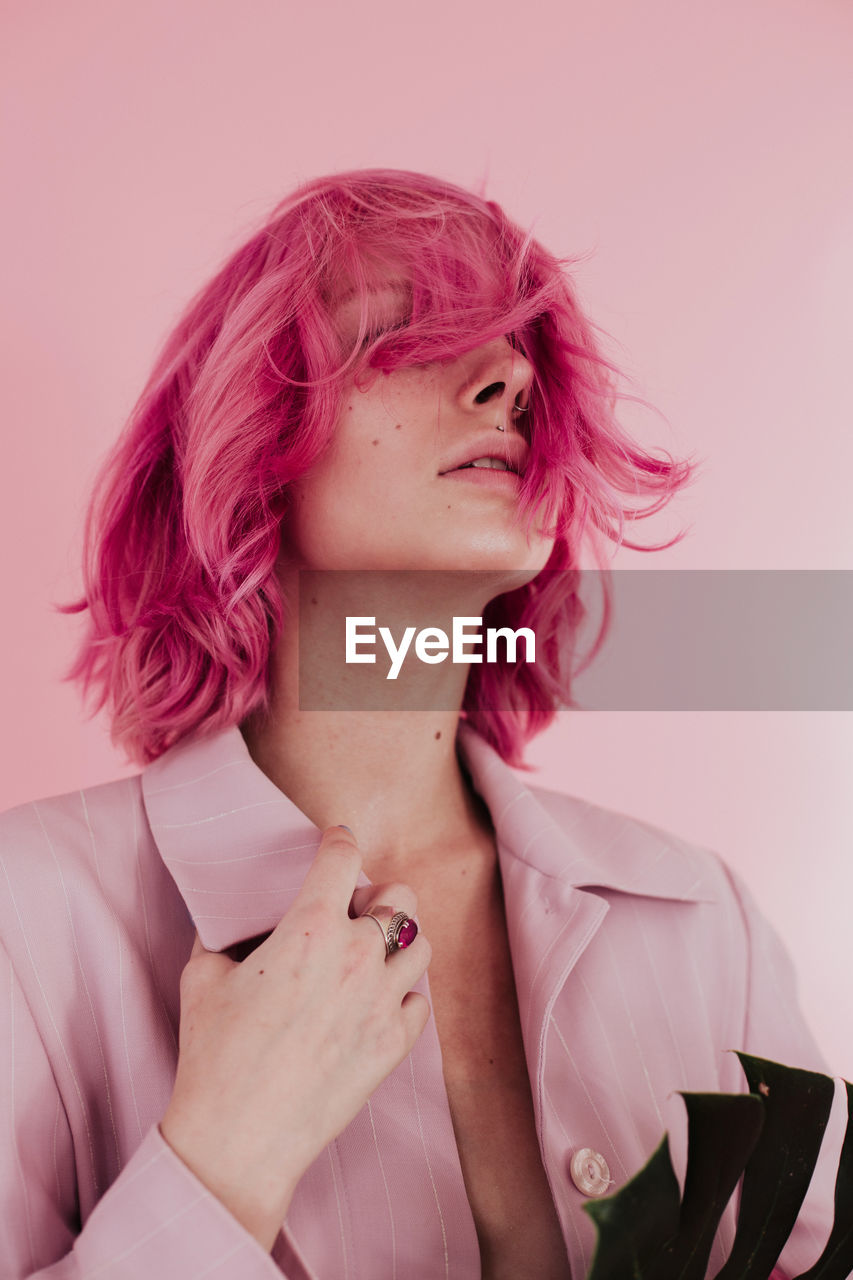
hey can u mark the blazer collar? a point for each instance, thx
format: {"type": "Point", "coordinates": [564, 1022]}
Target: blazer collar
{"type": "Point", "coordinates": [580, 843]}
{"type": "Point", "coordinates": [238, 848]}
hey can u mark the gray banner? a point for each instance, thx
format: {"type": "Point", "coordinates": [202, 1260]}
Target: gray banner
{"type": "Point", "coordinates": [725, 640]}
{"type": "Point", "coordinates": [679, 640]}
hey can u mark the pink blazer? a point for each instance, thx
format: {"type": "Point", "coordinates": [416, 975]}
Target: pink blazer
{"type": "Point", "coordinates": [639, 961]}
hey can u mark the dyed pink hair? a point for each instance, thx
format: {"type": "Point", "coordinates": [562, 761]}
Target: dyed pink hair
{"type": "Point", "coordinates": [183, 529]}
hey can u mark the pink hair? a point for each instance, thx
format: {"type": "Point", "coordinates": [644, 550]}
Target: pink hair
{"type": "Point", "coordinates": [183, 529]}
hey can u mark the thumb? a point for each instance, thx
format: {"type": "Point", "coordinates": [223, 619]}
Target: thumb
{"type": "Point", "coordinates": [199, 949]}
{"type": "Point", "coordinates": [216, 962]}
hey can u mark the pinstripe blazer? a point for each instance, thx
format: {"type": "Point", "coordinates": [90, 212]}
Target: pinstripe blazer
{"type": "Point", "coordinates": [638, 958]}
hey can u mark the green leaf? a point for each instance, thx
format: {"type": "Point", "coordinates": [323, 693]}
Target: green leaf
{"type": "Point", "coordinates": [637, 1223]}
{"type": "Point", "coordinates": [796, 1109]}
{"type": "Point", "coordinates": [836, 1261]}
{"type": "Point", "coordinates": [722, 1131]}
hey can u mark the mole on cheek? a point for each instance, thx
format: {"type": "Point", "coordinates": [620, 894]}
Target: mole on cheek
{"type": "Point", "coordinates": [398, 426]}
{"type": "Point", "coordinates": [374, 442]}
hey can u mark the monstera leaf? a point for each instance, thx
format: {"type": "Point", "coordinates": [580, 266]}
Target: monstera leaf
{"type": "Point", "coordinates": [771, 1137]}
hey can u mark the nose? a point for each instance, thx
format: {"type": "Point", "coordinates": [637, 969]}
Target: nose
{"type": "Point", "coordinates": [496, 380]}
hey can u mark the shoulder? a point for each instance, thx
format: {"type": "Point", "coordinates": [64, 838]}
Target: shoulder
{"type": "Point", "coordinates": [65, 829]}
{"type": "Point", "coordinates": [630, 851]}
{"type": "Point", "coordinates": [69, 861]}
{"type": "Point", "coordinates": [593, 821]}
{"type": "Point", "coordinates": [645, 869]}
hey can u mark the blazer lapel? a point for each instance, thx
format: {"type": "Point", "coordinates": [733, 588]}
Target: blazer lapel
{"type": "Point", "coordinates": [555, 851]}
{"type": "Point", "coordinates": [236, 847]}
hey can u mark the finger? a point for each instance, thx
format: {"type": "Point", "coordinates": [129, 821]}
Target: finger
{"type": "Point", "coordinates": [387, 903]}
{"type": "Point", "coordinates": [199, 949]}
{"type": "Point", "coordinates": [393, 897]}
{"type": "Point", "coordinates": [415, 1013]}
{"type": "Point", "coordinates": [406, 967]}
{"type": "Point", "coordinates": [215, 963]}
{"type": "Point", "coordinates": [373, 928]}
{"type": "Point", "coordinates": [333, 874]}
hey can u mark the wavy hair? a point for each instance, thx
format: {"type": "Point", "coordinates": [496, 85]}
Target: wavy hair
{"type": "Point", "coordinates": [183, 530]}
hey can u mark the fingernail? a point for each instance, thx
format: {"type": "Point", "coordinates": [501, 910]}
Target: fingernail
{"type": "Point", "coordinates": [346, 828]}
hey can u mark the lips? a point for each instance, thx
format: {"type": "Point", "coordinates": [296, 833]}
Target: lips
{"type": "Point", "coordinates": [489, 451]}
{"type": "Point", "coordinates": [487, 464]}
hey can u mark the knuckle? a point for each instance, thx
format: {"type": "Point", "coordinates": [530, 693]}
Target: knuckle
{"type": "Point", "coordinates": [361, 952]}
{"type": "Point", "coordinates": [363, 944]}
{"type": "Point", "coordinates": [314, 918]}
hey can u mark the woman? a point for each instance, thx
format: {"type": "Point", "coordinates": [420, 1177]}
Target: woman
{"type": "Point", "coordinates": [217, 1066]}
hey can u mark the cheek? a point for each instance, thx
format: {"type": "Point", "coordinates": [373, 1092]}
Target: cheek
{"type": "Point", "coordinates": [344, 510]}
{"type": "Point", "coordinates": [364, 464]}
{"type": "Point", "coordinates": [313, 525]}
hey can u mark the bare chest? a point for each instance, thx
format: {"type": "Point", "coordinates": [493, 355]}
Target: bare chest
{"type": "Point", "coordinates": [476, 1011]}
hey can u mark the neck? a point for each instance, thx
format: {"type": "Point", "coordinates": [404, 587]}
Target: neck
{"type": "Point", "coordinates": [392, 777]}
{"type": "Point", "coordinates": [386, 770]}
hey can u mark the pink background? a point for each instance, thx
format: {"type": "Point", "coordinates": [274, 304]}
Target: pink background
{"type": "Point", "coordinates": [701, 151]}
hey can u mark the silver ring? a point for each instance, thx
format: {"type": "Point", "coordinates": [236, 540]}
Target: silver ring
{"type": "Point", "coordinates": [369, 916]}
{"type": "Point", "coordinates": [400, 932]}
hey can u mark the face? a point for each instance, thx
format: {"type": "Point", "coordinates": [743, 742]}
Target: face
{"type": "Point", "coordinates": [396, 489]}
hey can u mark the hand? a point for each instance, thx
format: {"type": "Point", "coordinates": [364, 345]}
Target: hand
{"type": "Point", "coordinates": [277, 1054]}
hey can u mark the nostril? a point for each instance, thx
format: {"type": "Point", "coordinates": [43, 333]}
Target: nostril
{"type": "Point", "coordinates": [489, 392]}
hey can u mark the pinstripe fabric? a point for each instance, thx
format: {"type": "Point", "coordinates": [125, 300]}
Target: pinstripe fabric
{"type": "Point", "coordinates": [638, 961]}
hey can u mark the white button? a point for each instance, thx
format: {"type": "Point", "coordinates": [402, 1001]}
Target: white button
{"type": "Point", "coordinates": [590, 1173]}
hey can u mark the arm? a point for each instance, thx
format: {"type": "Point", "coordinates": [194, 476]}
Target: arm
{"type": "Point", "coordinates": [156, 1219]}
{"type": "Point", "coordinates": [318, 1007]}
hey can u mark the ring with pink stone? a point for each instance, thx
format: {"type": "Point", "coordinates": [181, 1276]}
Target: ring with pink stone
{"type": "Point", "coordinates": [399, 933]}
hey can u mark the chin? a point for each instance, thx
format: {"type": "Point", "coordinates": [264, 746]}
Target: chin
{"type": "Point", "coordinates": [515, 559]}
{"type": "Point", "coordinates": [473, 583]}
